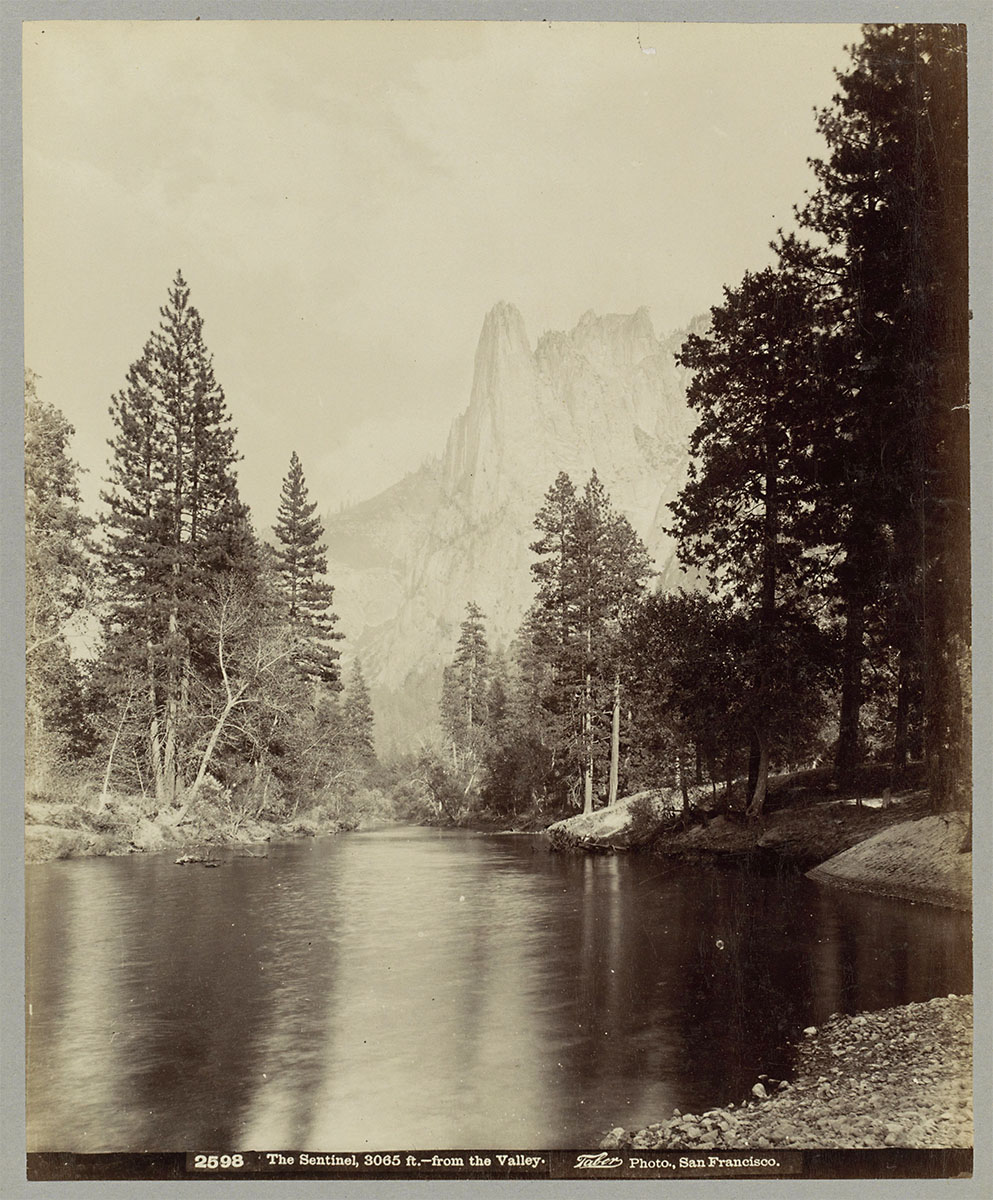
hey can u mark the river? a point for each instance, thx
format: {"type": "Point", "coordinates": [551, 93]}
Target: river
{"type": "Point", "coordinates": [434, 989]}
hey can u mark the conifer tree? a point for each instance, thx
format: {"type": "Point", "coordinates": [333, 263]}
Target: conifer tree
{"type": "Point", "coordinates": [472, 668]}
{"type": "Point", "coordinates": [175, 526]}
{"type": "Point", "coordinates": [608, 568]}
{"type": "Point", "coordinates": [591, 565]}
{"type": "Point", "coordinates": [465, 696]}
{"type": "Point", "coordinates": [892, 208]}
{"type": "Point", "coordinates": [546, 647]}
{"type": "Point", "coordinates": [301, 562]}
{"type": "Point", "coordinates": [551, 568]}
{"type": "Point", "coordinates": [683, 684]}
{"type": "Point", "coordinates": [452, 713]}
{"type": "Point", "coordinates": [498, 695]}
{"type": "Point", "coordinates": [58, 547]}
{"type": "Point", "coordinates": [58, 583]}
{"type": "Point", "coordinates": [541, 709]}
{"type": "Point", "coordinates": [357, 717]}
{"type": "Point", "coordinates": [745, 513]}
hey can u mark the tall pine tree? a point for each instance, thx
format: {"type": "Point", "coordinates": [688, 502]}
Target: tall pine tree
{"type": "Point", "coordinates": [892, 206]}
{"type": "Point", "coordinates": [608, 566]}
{"type": "Point", "coordinates": [551, 567]}
{"type": "Point", "coordinates": [472, 667]}
{"type": "Point", "coordinates": [175, 527]}
{"type": "Point", "coordinates": [465, 693]}
{"type": "Point", "coordinates": [590, 567]}
{"type": "Point", "coordinates": [301, 562]}
{"type": "Point", "coordinates": [745, 514]}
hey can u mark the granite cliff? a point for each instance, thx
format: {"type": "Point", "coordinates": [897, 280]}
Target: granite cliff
{"type": "Point", "coordinates": [606, 395]}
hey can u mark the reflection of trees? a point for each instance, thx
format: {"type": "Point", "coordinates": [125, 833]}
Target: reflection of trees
{"type": "Point", "coordinates": [621, 1055]}
{"type": "Point", "coordinates": [154, 1016]}
{"type": "Point", "coordinates": [342, 991]}
{"type": "Point", "coordinates": [434, 1038]}
{"type": "Point", "coordinates": [301, 920]}
{"type": "Point", "coordinates": [200, 995]}
{"type": "Point", "coordinates": [90, 1037]}
{"type": "Point", "coordinates": [691, 981]}
{"type": "Point", "coordinates": [792, 954]}
{"type": "Point", "coordinates": [57, 1036]}
{"type": "Point", "coordinates": [735, 979]}
{"type": "Point", "coordinates": [873, 952]}
{"type": "Point", "coordinates": [210, 982]}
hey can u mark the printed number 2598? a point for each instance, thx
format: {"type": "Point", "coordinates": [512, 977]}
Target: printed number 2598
{"type": "Point", "coordinates": [211, 1162]}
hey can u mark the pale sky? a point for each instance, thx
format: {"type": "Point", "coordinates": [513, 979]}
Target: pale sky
{"type": "Point", "coordinates": [347, 200]}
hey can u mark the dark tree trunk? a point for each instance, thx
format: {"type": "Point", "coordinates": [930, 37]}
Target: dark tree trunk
{"type": "Point", "coordinates": [615, 743]}
{"type": "Point", "coordinates": [729, 779]}
{"type": "Point", "coordinates": [901, 726]}
{"type": "Point", "coordinates": [853, 652]}
{"type": "Point", "coordinates": [681, 774]}
{"type": "Point", "coordinates": [757, 801]}
{"type": "Point", "coordinates": [758, 765]}
{"type": "Point", "coordinates": [712, 773]}
{"type": "Point", "coordinates": [947, 584]}
{"type": "Point", "coordinates": [754, 754]}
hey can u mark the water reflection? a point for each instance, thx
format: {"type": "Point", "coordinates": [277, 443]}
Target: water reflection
{"type": "Point", "coordinates": [425, 989]}
{"type": "Point", "coordinates": [431, 948]}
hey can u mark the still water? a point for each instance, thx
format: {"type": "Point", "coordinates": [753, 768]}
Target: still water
{"type": "Point", "coordinates": [417, 988]}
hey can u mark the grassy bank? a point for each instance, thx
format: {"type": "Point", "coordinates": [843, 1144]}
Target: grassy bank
{"type": "Point", "coordinates": [803, 834]}
{"type": "Point", "coordinates": [803, 827]}
{"type": "Point", "coordinates": [898, 1077]}
{"type": "Point", "coordinates": [921, 860]}
{"type": "Point", "coordinates": [59, 829]}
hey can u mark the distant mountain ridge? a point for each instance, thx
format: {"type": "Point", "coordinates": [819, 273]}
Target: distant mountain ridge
{"type": "Point", "coordinates": [606, 395]}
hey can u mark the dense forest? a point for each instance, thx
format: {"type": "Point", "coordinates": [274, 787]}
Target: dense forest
{"type": "Point", "coordinates": [824, 528]}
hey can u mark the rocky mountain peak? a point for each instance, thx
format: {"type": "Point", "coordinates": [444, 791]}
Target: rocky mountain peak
{"type": "Point", "coordinates": [615, 341]}
{"type": "Point", "coordinates": [503, 345]}
{"type": "Point", "coordinates": [606, 395]}
{"type": "Point", "coordinates": [502, 404]}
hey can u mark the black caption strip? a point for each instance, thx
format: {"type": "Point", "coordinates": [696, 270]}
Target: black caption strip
{"type": "Point", "coordinates": [507, 1164]}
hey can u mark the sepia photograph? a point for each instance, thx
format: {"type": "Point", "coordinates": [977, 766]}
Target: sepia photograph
{"type": "Point", "coordinates": [497, 599]}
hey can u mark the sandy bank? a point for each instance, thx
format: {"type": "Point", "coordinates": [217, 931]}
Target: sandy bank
{"type": "Point", "coordinates": [899, 1077]}
{"type": "Point", "coordinates": [918, 860]}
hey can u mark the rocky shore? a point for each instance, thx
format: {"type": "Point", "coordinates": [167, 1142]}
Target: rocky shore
{"type": "Point", "coordinates": [900, 1077]}
{"type": "Point", "coordinates": [131, 825]}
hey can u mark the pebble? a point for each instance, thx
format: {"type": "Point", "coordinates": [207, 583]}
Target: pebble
{"type": "Point", "coordinates": [890, 1075]}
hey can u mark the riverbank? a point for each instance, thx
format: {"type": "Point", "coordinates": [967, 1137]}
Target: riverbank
{"type": "Point", "coordinates": [132, 825]}
{"type": "Point", "coordinates": [801, 835]}
{"type": "Point", "coordinates": [888, 844]}
{"type": "Point", "coordinates": [922, 861]}
{"type": "Point", "coordinates": [899, 1077]}
{"type": "Point", "coordinates": [805, 822]}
